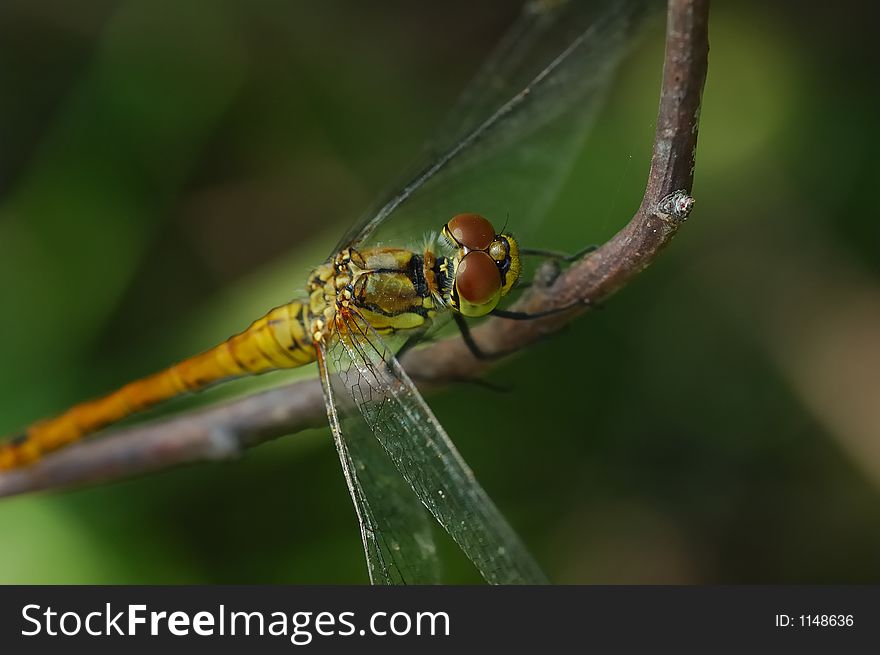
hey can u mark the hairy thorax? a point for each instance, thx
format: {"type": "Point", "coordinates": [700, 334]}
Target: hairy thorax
{"type": "Point", "coordinates": [394, 289]}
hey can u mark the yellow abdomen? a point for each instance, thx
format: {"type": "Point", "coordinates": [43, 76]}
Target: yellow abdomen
{"type": "Point", "coordinates": [280, 339]}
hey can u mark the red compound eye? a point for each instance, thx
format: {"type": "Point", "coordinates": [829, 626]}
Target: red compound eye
{"type": "Point", "coordinates": [477, 280]}
{"type": "Point", "coordinates": [471, 231]}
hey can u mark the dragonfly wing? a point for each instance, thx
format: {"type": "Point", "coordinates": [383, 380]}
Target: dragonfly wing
{"type": "Point", "coordinates": [540, 34]}
{"type": "Point", "coordinates": [509, 143]}
{"type": "Point", "coordinates": [423, 454]}
{"type": "Point", "coordinates": [395, 528]}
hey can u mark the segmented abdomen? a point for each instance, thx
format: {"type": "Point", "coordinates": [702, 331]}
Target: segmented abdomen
{"type": "Point", "coordinates": [280, 339]}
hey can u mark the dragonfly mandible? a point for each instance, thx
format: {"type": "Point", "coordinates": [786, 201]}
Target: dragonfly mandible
{"type": "Point", "coordinates": [370, 300]}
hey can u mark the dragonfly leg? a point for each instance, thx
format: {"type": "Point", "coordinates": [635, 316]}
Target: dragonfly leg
{"type": "Point", "coordinates": [481, 354]}
{"type": "Point", "coordinates": [472, 346]}
{"type": "Point", "coordinates": [553, 254]}
{"type": "Point", "coordinates": [529, 316]}
{"type": "Point", "coordinates": [475, 349]}
{"type": "Point", "coordinates": [468, 338]}
{"type": "Point", "coordinates": [550, 270]}
{"type": "Point", "coordinates": [411, 341]}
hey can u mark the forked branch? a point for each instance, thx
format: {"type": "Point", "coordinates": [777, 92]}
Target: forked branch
{"type": "Point", "coordinates": [225, 430]}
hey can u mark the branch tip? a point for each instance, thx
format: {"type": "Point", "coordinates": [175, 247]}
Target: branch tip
{"type": "Point", "coordinates": [677, 205]}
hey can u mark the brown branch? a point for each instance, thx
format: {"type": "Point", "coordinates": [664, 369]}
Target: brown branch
{"type": "Point", "coordinates": [225, 430]}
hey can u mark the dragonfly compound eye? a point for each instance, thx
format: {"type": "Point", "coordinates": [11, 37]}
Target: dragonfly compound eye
{"type": "Point", "coordinates": [478, 284]}
{"type": "Point", "coordinates": [470, 231]}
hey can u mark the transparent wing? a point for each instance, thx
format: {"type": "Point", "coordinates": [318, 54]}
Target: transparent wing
{"type": "Point", "coordinates": [395, 528]}
{"type": "Point", "coordinates": [507, 146]}
{"type": "Point", "coordinates": [423, 454]}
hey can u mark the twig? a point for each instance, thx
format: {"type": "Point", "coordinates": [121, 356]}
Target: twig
{"type": "Point", "coordinates": [226, 429]}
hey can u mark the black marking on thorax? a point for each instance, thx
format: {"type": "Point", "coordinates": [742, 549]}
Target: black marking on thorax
{"type": "Point", "coordinates": [416, 274]}
{"type": "Point", "coordinates": [414, 271]}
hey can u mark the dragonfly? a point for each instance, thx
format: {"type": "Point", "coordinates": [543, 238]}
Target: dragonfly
{"type": "Point", "coordinates": [515, 130]}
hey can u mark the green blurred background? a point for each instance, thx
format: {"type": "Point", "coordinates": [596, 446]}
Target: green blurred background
{"type": "Point", "coordinates": [168, 171]}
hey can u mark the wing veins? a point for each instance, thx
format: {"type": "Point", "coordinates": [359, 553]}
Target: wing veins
{"type": "Point", "coordinates": [419, 448]}
{"type": "Point", "coordinates": [378, 568]}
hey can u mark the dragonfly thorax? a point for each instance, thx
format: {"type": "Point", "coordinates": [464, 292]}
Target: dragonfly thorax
{"type": "Point", "coordinates": [467, 271]}
{"type": "Point", "coordinates": [394, 289]}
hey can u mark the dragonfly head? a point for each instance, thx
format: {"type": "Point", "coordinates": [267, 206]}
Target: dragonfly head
{"type": "Point", "coordinates": [486, 264]}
